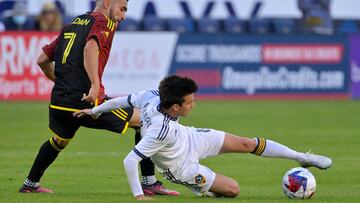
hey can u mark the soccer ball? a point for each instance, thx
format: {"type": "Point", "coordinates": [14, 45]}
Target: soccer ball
{"type": "Point", "coordinates": [299, 183]}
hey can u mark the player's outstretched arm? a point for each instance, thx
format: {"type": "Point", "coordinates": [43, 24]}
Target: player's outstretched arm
{"type": "Point", "coordinates": [119, 102]}
{"type": "Point", "coordinates": [131, 163]}
{"type": "Point", "coordinates": [84, 112]}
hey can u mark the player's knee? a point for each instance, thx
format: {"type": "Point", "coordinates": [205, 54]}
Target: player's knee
{"type": "Point", "coordinates": [61, 143]}
{"type": "Point", "coordinates": [233, 189]}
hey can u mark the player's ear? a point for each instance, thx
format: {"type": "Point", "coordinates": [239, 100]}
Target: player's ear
{"type": "Point", "coordinates": [106, 3]}
{"type": "Point", "coordinates": [175, 107]}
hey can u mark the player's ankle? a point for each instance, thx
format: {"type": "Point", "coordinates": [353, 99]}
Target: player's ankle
{"type": "Point", "coordinates": [30, 183]}
{"type": "Point", "coordinates": [148, 180]}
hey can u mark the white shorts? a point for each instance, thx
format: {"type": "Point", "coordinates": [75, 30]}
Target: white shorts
{"type": "Point", "coordinates": [199, 178]}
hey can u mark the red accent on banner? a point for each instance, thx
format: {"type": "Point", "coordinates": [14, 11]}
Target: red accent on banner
{"type": "Point", "coordinates": [292, 96]}
{"type": "Point", "coordinates": [205, 78]}
{"type": "Point", "coordinates": [20, 76]}
{"type": "Point", "coordinates": [302, 53]}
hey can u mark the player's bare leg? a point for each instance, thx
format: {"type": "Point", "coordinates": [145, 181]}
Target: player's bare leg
{"type": "Point", "coordinates": [238, 144]}
{"type": "Point", "coordinates": [269, 148]}
{"type": "Point", "coordinates": [224, 186]}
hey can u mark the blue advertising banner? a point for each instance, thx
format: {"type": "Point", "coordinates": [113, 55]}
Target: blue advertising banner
{"type": "Point", "coordinates": [266, 66]}
{"type": "Point", "coordinates": [355, 66]}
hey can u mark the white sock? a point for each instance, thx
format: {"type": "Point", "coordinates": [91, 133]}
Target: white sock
{"type": "Point", "coordinates": [148, 180]}
{"type": "Point", "coordinates": [276, 150]}
{"type": "Point", "coordinates": [30, 183]}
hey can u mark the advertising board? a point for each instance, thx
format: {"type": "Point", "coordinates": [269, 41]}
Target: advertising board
{"type": "Point", "coordinates": [20, 76]}
{"type": "Point", "coordinates": [233, 66]}
{"type": "Point", "coordinates": [355, 66]}
{"type": "Point", "coordinates": [273, 66]}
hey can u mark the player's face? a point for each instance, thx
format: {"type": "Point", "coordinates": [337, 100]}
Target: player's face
{"type": "Point", "coordinates": [187, 105]}
{"type": "Point", "coordinates": [118, 10]}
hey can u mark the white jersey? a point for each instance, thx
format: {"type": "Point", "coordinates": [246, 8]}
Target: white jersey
{"type": "Point", "coordinates": [164, 140]}
{"type": "Point", "coordinates": [175, 149]}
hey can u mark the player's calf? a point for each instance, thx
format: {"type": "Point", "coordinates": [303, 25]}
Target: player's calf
{"type": "Point", "coordinates": [46, 155]}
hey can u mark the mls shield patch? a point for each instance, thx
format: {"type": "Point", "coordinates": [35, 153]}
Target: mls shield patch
{"type": "Point", "coordinates": [200, 179]}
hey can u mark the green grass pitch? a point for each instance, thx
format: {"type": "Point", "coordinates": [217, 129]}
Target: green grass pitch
{"type": "Point", "coordinates": [90, 169]}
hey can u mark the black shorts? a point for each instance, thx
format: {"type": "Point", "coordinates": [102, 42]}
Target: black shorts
{"type": "Point", "coordinates": [64, 124]}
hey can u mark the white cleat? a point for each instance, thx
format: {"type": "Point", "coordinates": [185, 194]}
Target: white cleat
{"type": "Point", "coordinates": [318, 161]}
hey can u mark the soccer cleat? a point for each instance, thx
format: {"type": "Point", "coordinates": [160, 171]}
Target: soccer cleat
{"type": "Point", "coordinates": [158, 189]}
{"type": "Point", "coordinates": [318, 161]}
{"type": "Point", "coordinates": [39, 189]}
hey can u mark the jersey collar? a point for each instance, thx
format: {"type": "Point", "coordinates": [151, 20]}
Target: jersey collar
{"type": "Point", "coordinates": [165, 114]}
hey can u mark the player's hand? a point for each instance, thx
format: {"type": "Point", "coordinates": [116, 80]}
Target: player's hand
{"type": "Point", "coordinates": [143, 198]}
{"type": "Point", "coordinates": [92, 96]}
{"type": "Point", "coordinates": [84, 112]}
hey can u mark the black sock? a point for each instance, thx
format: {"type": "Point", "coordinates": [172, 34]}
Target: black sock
{"type": "Point", "coordinates": [47, 154]}
{"type": "Point", "coordinates": [146, 165]}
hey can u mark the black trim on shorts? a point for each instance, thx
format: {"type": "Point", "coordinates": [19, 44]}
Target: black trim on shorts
{"type": "Point", "coordinates": [172, 178]}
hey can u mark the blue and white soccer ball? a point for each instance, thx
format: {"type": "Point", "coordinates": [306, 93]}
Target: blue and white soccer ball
{"type": "Point", "coordinates": [299, 183]}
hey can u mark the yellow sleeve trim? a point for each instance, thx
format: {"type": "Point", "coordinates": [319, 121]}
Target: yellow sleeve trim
{"type": "Point", "coordinates": [124, 112]}
{"type": "Point", "coordinates": [121, 113]}
{"type": "Point", "coordinates": [118, 115]}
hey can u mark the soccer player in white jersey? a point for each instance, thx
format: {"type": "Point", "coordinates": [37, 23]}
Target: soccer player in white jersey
{"type": "Point", "coordinates": [176, 149]}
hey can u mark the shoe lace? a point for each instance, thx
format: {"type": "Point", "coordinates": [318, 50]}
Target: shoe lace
{"type": "Point", "coordinates": [305, 161]}
{"type": "Point", "coordinates": [308, 154]}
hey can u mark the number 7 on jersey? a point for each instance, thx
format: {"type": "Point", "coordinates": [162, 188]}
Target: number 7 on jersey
{"type": "Point", "coordinates": [71, 36]}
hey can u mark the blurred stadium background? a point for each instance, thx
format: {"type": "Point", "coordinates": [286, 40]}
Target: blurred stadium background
{"type": "Point", "coordinates": [233, 49]}
{"type": "Point", "coordinates": [288, 70]}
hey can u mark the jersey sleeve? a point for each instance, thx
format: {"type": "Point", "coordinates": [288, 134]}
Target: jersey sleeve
{"type": "Point", "coordinates": [132, 172]}
{"type": "Point", "coordinates": [139, 99]}
{"type": "Point", "coordinates": [98, 31]}
{"type": "Point", "coordinates": [150, 144]}
{"type": "Point", "coordinates": [134, 101]}
{"type": "Point", "coordinates": [118, 102]}
{"type": "Point", "coordinates": [49, 49]}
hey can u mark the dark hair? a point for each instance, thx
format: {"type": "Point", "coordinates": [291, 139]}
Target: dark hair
{"type": "Point", "coordinates": [173, 88]}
